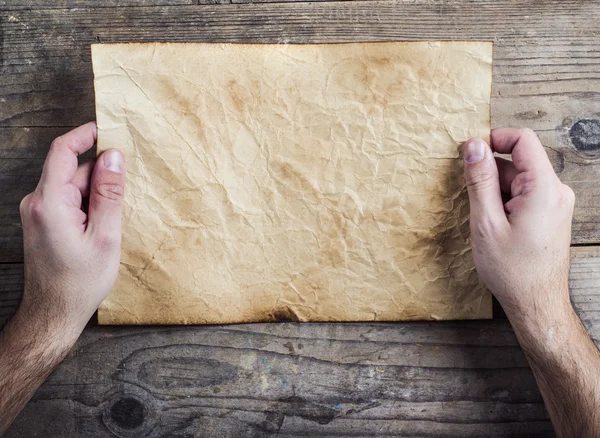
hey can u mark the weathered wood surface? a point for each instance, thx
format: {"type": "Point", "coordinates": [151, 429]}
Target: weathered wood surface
{"type": "Point", "coordinates": [466, 378]}
{"type": "Point", "coordinates": [11, 290]}
{"type": "Point", "coordinates": [546, 71]}
{"type": "Point", "coordinates": [412, 379]}
{"type": "Point", "coordinates": [12, 5]}
{"type": "Point", "coordinates": [291, 379]}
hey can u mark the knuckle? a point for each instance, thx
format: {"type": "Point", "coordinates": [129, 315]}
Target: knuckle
{"type": "Point", "coordinates": [106, 241]}
{"type": "Point", "coordinates": [523, 182]}
{"type": "Point", "coordinates": [568, 195]}
{"type": "Point", "coordinates": [517, 182]}
{"type": "Point", "coordinates": [32, 207]}
{"type": "Point", "coordinates": [485, 229]}
{"type": "Point", "coordinates": [110, 190]}
{"type": "Point", "coordinates": [24, 205]}
{"type": "Point", "coordinates": [57, 143]}
{"type": "Point", "coordinates": [480, 180]}
{"type": "Point", "coordinates": [528, 133]}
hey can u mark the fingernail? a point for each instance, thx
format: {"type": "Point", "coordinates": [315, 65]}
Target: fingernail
{"type": "Point", "coordinates": [113, 160]}
{"type": "Point", "coordinates": [475, 151]}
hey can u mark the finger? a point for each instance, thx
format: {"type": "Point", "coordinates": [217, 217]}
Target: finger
{"type": "Point", "coordinates": [106, 195]}
{"type": "Point", "coordinates": [513, 205]}
{"type": "Point", "coordinates": [481, 176]}
{"type": "Point", "coordinates": [525, 147]}
{"type": "Point", "coordinates": [61, 163]}
{"type": "Point", "coordinates": [507, 173]}
{"type": "Point", "coordinates": [82, 177]}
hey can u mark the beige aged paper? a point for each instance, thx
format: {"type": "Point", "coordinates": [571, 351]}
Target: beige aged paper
{"type": "Point", "coordinates": [293, 182]}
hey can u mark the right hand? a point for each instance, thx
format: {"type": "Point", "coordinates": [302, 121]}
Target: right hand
{"type": "Point", "coordinates": [520, 243]}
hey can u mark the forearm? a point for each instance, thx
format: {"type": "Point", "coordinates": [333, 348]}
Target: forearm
{"type": "Point", "coordinates": [28, 355]}
{"type": "Point", "coordinates": [566, 365]}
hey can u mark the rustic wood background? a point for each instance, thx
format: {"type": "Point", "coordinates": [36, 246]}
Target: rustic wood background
{"type": "Point", "coordinates": [287, 379]}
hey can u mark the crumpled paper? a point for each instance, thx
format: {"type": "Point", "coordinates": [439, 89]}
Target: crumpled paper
{"type": "Point", "coordinates": [293, 182]}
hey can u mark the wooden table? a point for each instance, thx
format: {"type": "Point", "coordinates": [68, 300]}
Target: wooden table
{"type": "Point", "coordinates": [413, 379]}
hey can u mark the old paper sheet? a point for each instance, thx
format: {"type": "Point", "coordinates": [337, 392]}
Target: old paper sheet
{"type": "Point", "coordinates": [293, 182]}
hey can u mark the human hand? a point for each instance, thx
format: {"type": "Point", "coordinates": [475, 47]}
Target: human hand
{"type": "Point", "coordinates": [520, 246]}
{"type": "Point", "coordinates": [71, 257]}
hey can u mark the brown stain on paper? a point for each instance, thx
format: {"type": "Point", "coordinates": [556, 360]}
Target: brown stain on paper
{"type": "Point", "coordinates": [293, 183]}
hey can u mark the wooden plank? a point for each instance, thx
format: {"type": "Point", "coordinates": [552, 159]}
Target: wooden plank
{"type": "Point", "coordinates": [11, 290]}
{"type": "Point", "coordinates": [12, 5]}
{"type": "Point", "coordinates": [461, 378]}
{"type": "Point", "coordinates": [229, 2]}
{"type": "Point", "coordinates": [15, 5]}
{"type": "Point", "coordinates": [585, 287]}
{"type": "Point", "coordinates": [545, 76]}
{"type": "Point", "coordinates": [290, 379]}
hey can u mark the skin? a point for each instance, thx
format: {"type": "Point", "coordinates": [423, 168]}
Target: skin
{"type": "Point", "coordinates": [520, 229]}
{"type": "Point", "coordinates": [521, 251]}
{"type": "Point", "coordinates": [71, 263]}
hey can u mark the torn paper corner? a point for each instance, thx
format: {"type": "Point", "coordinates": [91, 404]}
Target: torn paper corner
{"type": "Point", "coordinates": [293, 182]}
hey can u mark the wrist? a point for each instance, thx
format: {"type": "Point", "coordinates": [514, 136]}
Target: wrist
{"type": "Point", "coordinates": [27, 357]}
{"type": "Point", "coordinates": [544, 325]}
{"type": "Point", "coordinates": [538, 307]}
{"type": "Point", "coordinates": [49, 317]}
{"type": "Point", "coordinates": [44, 339]}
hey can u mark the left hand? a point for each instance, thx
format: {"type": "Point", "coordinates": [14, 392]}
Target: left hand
{"type": "Point", "coordinates": [71, 257]}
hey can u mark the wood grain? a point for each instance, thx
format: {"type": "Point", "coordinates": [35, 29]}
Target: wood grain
{"type": "Point", "coordinates": [537, 61]}
{"type": "Point", "coordinates": [407, 379]}
{"type": "Point", "coordinates": [546, 76]}
{"type": "Point", "coordinates": [14, 5]}
{"type": "Point", "coordinates": [463, 378]}
{"type": "Point", "coordinates": [289, 380]}
{"type": "Point", "coordinates": [11, 290]}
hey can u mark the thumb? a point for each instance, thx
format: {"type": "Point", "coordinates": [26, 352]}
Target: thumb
{"type": "Point", "coordinates": [483, 184]}
{"type": "Point", "coordinates": [107, 188]}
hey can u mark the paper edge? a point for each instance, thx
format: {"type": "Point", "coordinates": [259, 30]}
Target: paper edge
{"type": "Point", "coordinates": [484, 313]}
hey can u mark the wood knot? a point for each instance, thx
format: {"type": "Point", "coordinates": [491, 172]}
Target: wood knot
{"type": "Point", "coordinates": [585, 135]}
{"type": "Point", "coordinates": [128, 413]}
